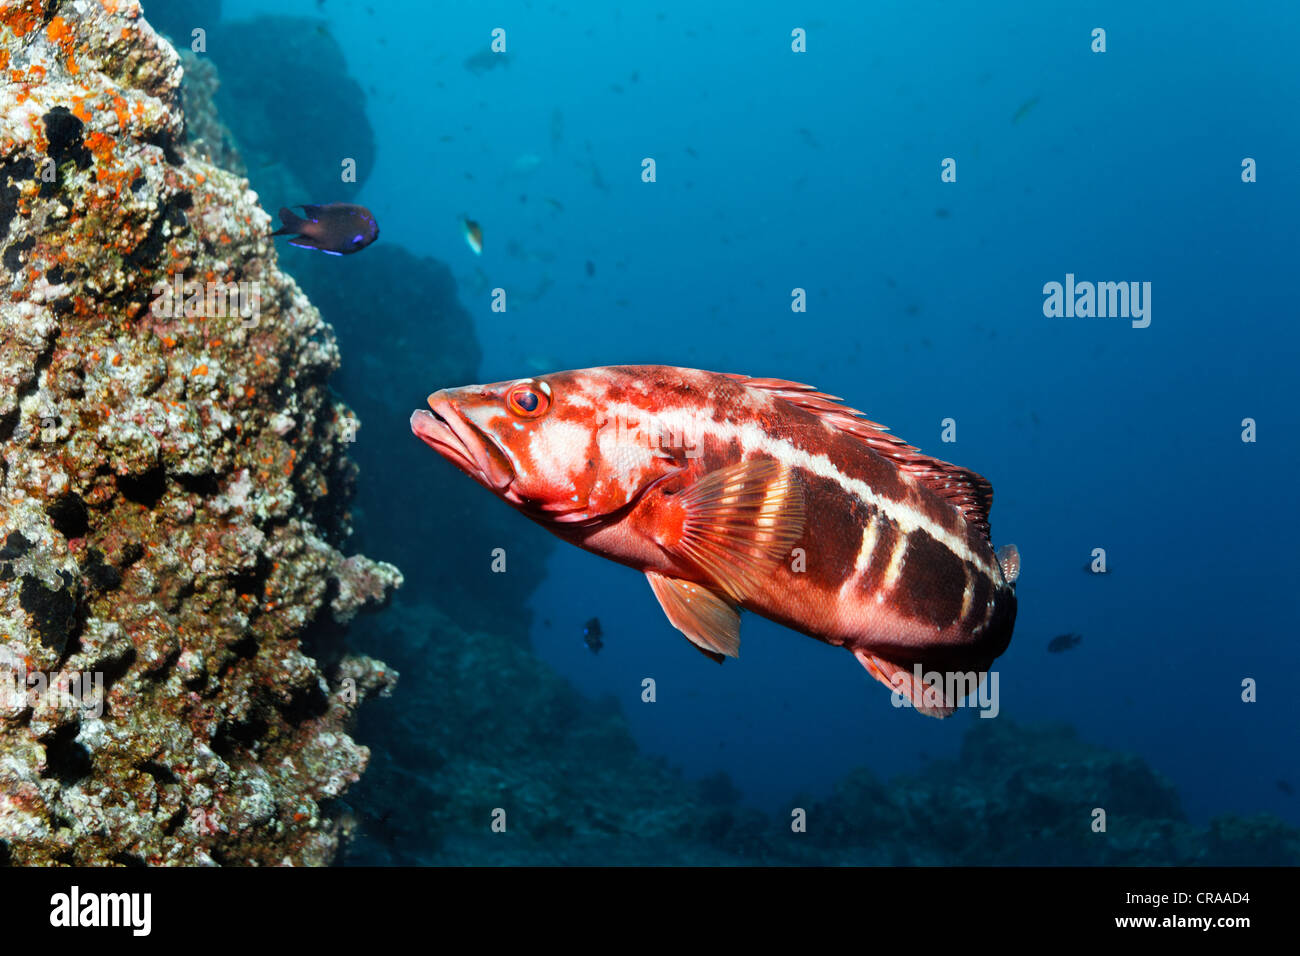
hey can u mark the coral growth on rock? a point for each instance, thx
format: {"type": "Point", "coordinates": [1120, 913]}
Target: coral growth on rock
{"type": "Point", "coordinates": [174, 479]}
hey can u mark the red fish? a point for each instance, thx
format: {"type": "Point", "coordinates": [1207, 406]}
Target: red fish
{"type": "Point", "coordinates": [732, 492]}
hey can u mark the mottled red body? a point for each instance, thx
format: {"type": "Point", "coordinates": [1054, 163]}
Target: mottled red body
{"type": "Point", "coordinates": [736, 492]}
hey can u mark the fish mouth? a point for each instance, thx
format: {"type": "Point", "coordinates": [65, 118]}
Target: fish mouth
{"type": "Point", "coordinates": [447, 432]}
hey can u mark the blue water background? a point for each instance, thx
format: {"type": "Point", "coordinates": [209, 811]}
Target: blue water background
{"type": "Point", "coordinates": [924, 303]}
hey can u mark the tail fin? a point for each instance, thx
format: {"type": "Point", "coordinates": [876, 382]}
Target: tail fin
{"type": "Point", "coordinates": [1009, 560]}
{"type": "Point", "coordinates": [290, 221]}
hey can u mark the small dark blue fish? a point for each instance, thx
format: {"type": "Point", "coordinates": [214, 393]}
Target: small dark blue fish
{"type": "Point", "coordinates": [1285, 787]}
{"type": "Point", "coordinates": [1063, 642]}
{"type": "Point", "coordinates": [336, 228]}
{"type": "Point", "coordinates": [591, 634]}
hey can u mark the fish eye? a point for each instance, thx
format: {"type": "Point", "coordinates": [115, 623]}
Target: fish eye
{"type": "Point", "coordinates": [529, 399]}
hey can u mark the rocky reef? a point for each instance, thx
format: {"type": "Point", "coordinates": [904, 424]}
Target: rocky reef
{"type": "Point", "coordinates": [295, 61]}
{"type": "Point", "coordinates": [481, 724]}
{"type": "Point", "coordinates": [285, 93]}
{"type": "Point", "coordinates": [1023, 794]}
{"type": "Point", "coordinates": [176, 18]}
{"type": "Point", "coordinates": [403, 334]}
{"type": "Point", "coordinates": [175, 481]}
{"type": "Point", "coordinates": [401, 328]}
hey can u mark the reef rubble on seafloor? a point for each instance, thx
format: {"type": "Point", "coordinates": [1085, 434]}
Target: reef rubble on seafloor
{"type": "Point", "coordinates": [174, 486]}
{"type": "Point", "coordinates": [482, 724]}
{"type": "Point", "coordinates": [1028, 794]}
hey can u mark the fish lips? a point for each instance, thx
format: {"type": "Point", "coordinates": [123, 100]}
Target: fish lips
{"type": "Point", "coordinates": [448, 433]}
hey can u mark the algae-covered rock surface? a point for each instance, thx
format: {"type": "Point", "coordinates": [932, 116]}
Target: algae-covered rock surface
{"type": "Point", "coordinates": [175, 480]}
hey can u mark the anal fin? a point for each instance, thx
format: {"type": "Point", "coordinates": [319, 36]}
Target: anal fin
{"type": "Point", "coordinates": [900, 679]}
{"type": "Point", "coordinates": [707, 620]}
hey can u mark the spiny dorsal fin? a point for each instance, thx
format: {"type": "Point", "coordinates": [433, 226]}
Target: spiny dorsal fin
{"type": "Point", "coordinates": [969, 493]}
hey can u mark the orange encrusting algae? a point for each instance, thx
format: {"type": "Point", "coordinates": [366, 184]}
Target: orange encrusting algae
{"type": "Point", "coordinates": [22, 17]}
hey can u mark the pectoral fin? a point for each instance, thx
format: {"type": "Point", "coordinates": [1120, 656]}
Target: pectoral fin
{"type": "Point", "coordinates": [738, 522]}
{"type": "Point", "coordinates": [710, 622]}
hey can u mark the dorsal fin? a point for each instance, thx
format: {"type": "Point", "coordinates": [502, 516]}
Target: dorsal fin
{"type": "Point", "coordinates": [969, 493]}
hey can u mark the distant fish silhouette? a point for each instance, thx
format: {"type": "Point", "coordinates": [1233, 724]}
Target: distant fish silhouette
{"type": "Point", "coordinates": [591, 634]}
{"type": "Point", "coordinates": [1063, 642]}
{"type": "Point", "coordinates": [597, 179]}
{"type": "Point", "coordinates": [809, 139]}
{"type": "Point", "coordinates": [557, 129]}
{"type": "Point", "coordinates": [337, 228]}
{"type": "Point", "coordinates": [1024, 109]}
{"type": "Point", "coordinates": [1285, 787]}
{"type": "Point", "coordinates": [485, 60]}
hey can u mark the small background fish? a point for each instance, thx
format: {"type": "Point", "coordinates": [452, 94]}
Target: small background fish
{"type": "Point", "coordinates": [1063, 642]}
{"type": "Point", "coordinates": [473, 235]}
{"type": "Point", "coordinates": [591, 634]}
{"type": "Point", "coordinates": [337, 228]}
